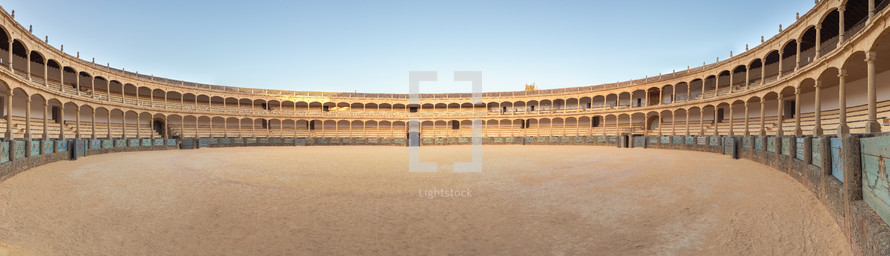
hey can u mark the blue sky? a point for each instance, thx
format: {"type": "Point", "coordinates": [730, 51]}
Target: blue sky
{"type": "Point", "coordinates": [370, 46]}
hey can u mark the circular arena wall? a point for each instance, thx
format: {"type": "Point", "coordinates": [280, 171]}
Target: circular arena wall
{"type": "Point", "coordinates": [824, 74]}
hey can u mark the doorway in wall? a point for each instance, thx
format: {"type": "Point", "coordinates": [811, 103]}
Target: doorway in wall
{"type": "Point", "coordinates": [158, 126]}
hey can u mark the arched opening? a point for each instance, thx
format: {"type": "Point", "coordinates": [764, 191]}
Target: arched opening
{"type": "Point", "coordinates": [157, 125]}
{"type": "Point", "coordinates": [667, 96]}
{"type": "Point", "coordinates": [709, 87]}
{"type": "Point", "coordinates": [738, 78]}
{"type": "Point", "coordinates": [19, 58]}
{"type": "Point", "coordinates": [789, 58]}
{"type": "Point", "coordinates": [37, 67]}
{"type": "Point", "coordinates": [829, 32]}
{"type": "Point", "coordinates": [652, 122]}
{"type": "Point", "coordinates": [855, 15]}
{"type": "Point", "coordinates": [808, 47]}
{"type": "Point", "coordinates": [756, 73]}
{"type": "Point", "coordinates": [723, 82]}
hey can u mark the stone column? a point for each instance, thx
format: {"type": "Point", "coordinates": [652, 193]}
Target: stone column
{"type": "Point", "coordinates": [717, 85]}
{"type": "Point", "coordinates": [61, 75]}
{"type": "Point", "coordinates": [28, 116]}
{"type": "Point", "coordinates": [647, 98]}
{"type": "Point", "coordinates": [797, 57]}
{"type": "Point", "coordinates": [77, 134]}
{"type": "Point", "coordinates": [645, 124]}
{"type": "Point", "coordinates": [842, 127]}
{"type": "Point", "coordinates": [818, 41]}
{"type": "Point", "coordinates": [731, 75]}
{"type": "Point", "coordinates": [27, 67]}
{"type": "Point", "coordinates": [779, 118]}
{"type": "Point", "coordinates": [93, 125]}
{"type": "Point", "coordinates": [9, 108]}
{"type": "Point", "coordinates": [46, 121]}
{"type": "Point", "coordinates": [123, 125]}
{"type": "Point", "coordinates": [108, 124]}
{"type": "Point", "coordinates": [797, 130]}
{"type": "Point", "coordinates": [762, 117]}
{"type": "Point", "coordinates": [688, 91]}
{"type": "Point", "coordinates": [9, 57]}
{"type": "Point", "coordinates": [701, 122]}
{"type": "Point", "coordinates": [818, 109]}
{"type": "Point", "coordinates": [703, 85]}
{"type": "Point", "coordinates": [840, 37]}
{"type": "Point", "coordinates": [166, 131]}
{"type": "Point", "coordinates": [716, 124]}
{"type": "Point", "coordinates": [151, 129]}
{"type": "Point", "coordinates": [687, 122]}
{"type": "Point", "coordinates": [673, 123]}
{"type": "Point", "coordinates": [871, 10]}
{"type": "Point", "coordinates": [138, 124]}
{"type": "Point", "coordinates": [762, 71]}
{"type": "Point", "coordinates": [674, 96]}
{"type": "Point", "coordinates": [781, 65]}
{"type": "Point", "coordinates": [747, 120]}
{"type": "Point", "coordinates": [62, 120]}
{"type": "Point", "coordinates": [872, 125]}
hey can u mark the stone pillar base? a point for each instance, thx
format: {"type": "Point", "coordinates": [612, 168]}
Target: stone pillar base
{"type": "Point", "coordinates": [843, 129]}
{"type": "Point", "coordinates": [817, 131]}
{"type": "Point", "coordinates": [872, 126]}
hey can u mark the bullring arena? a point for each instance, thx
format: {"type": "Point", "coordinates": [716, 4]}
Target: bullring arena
{"type": "Point", "coordinates": [777, 150]}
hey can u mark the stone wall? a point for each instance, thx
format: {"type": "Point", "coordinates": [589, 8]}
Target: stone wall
{"type": "Point", "coordinates": [17, 156]}
{"type": "Point", "coordinates": [808, 159]}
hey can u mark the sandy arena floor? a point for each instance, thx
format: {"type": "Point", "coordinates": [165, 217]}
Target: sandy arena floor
{"type": "Point", "coordinates": [541, 200]}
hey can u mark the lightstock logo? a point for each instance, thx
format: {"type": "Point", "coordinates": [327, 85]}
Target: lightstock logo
{"type": "Point", "coordinates": [414, 127]}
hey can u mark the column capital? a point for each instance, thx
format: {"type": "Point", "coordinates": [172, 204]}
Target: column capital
{"type": "Point", "coordinates": [796, 90]}
{"type": "Point", "coordinates": [818, 83]}
{"type": "Point", "coordinates": [870, 56]}
{"type": "Point", "coordinates": [842, 73]}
